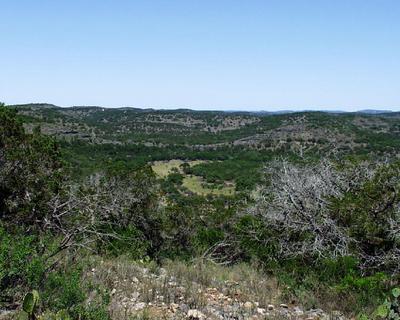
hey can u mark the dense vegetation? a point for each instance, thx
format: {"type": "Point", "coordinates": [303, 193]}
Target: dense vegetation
{"type": "Point", "coordinates": [317, 201]}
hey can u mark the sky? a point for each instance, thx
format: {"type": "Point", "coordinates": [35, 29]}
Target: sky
{"type": "Point", "coordinates": [202, 54]}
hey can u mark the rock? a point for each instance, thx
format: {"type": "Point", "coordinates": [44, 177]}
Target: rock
{"type": "Point", "coordinates": [139, 306]}
{"type": "Point", "coordinates": [135, 295]}
{"type": "Point", "coordinates": [161, 298]}
{"type": "Point", "coordinates": [337, 315]}
{"type": "Point", "coordinates": [315, 314]}
{"type": "Point", "coordinates": [184, 307]}
{"type": "Point", "coordinates": [270, 307]}
{"type": "Point", "coordinates": [8, 314]}
{"type": "Point", "coordinates": [317, 311]}
{"type": "Point", "coordinates": [248, 305]}
{"type": "Point", "coordinates": [113, 291]}
{"type": "Point", "coordinates": [174, 307]}
{"type": "Point", "coordinates": [261, 311]}
{"type": "Point", "coordinates": [298, 312]}
{"type": "Point", "coordinates": [285, 306]}
{"type": "Point", "coordinates": [162, 271]}
{"type": "Point", "coordinates": [195, 314]}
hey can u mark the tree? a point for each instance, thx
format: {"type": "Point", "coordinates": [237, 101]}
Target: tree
{"type": "Point", "coordinates": [37, 195]}
{"type": "Point", "coordinates": [104, 210]}
{"type": "Point", "coordinates": [294, 207]}
{"type": "Point", "coordinates": [330, 211]}
{"type": "Point", "coordinates": [31, 172]}
{"type": "Point", "coordinates": [371, 214]}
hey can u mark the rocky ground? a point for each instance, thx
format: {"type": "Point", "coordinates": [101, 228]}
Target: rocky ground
{"type": "Point", "coordinates": [197, 291]}
{"type": "Point", "coordinates": [200, 292]}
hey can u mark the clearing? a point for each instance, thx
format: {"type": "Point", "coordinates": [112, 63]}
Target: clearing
{"type": "Point", "coordinates": [164, 168]}
{"type": "Point", "coordinates": [193, 183]}
{"type": "Point", "coordinates": [197, 185]}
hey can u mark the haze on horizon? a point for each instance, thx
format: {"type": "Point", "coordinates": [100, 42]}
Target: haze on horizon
{"type": "Point", "coordinates": [227, 55]}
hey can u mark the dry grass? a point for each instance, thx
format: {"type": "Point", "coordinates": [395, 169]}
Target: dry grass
{"type": "Point", "coordinates": [193, 183]}
{"type": "Point", "coordinates": [164, 168]}
{"type": "Point", "coordinates": [195, 285]}
{"type": "Point", "coordinates": [241, 281]}
{"type": "Point", "coordinates": [197, 185]}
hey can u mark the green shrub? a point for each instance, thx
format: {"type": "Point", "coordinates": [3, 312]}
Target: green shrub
{"type": "Point", "coordinates": [333, 270]}
{"type": "Point", "coordinates": [207, 237]}
{"type": "Point", "coordinates": [92, 312]}
{"type": "Point", "coordinates": [67, 289]}
{"type": "Point", "coordinates": [128, 241]}
{"type": "Point", "coordinates": [21, 265]}
{"type": "Point", "coordinates": [175, 178]}
{"type": "Point", "coordinates": [329, 282]}
{"type": "Point", "coordinates": [253, 237]}
{"type": "Point", "coordinates": [368, 290]}
{"type": "Point", "coordinates": [63, 289]}
{"type": "Point", "coordinates": [369, 213]}
{"type": "Point", "coordinates": [390, 309]}
{"type": "Point", "coordinates": [30, 173]}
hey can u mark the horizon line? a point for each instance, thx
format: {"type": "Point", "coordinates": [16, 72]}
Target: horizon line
{"type": "Point", "coordinates": [249, 109]}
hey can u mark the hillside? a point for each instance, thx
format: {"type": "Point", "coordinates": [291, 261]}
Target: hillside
{"type": "Point", "coordinates": [228, 141]}
{"type": "Point", "coordinates": [211, 129]}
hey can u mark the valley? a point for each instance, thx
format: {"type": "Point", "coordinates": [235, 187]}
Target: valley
{"type": "Point", "coordinates": [181, 214]}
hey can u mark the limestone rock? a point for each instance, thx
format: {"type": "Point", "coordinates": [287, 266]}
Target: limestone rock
{"type": "Point", "coordinates": [195, 314]}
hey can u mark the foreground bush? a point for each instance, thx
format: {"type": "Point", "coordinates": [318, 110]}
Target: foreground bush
{"type": "Point", "coordinates": [44, 217]}
{"type": "Point", "coordinates": [322, 211]}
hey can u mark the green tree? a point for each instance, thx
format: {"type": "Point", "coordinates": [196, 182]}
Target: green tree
{"type": "Point", "coordinates": [371, 215]}
{"type": "Point", "coordinates": [30, 170]}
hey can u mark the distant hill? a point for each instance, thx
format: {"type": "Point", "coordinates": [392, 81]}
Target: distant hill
{"type": "Point", "coordinates": [373, 111]}
{"type": "Point", "coordinates": [291, 130]}
{"type": "Point", "coordinates": [260, 112]}
{"type": "Point", "coordinates": [36, 106]}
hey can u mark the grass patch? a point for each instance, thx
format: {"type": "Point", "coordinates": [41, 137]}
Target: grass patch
{"type": "Point", "coordinates": [193, 183]}
{"type": "Point", "coordinates": [163, 168]}
{"type": "Point", "coordinates": [197, 185]}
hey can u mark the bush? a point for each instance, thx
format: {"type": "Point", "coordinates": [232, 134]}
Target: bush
{"type": "Point", "coordinates": [128, 240]}
{"type": "Point", "coordinates": [248, 231]}
{"type": "Point", "coordinates": [21, 265]}
{"type": "Point", "coordinates": [324, 211]}
{"type": "Point", "coordinates": [63, 290]}
{"type": "Point", "coordinates": [390, 309]}
{"type": "Point", "coordinates": [332, 284]}
{"type": "Point", "coordinates": [30, 173]}
{"type": "Point", "coordinates": [371, 214]}
{"type": "Point", "coordinates": [66, 289]}
{"type": "Point", "coordinates": [206, 238]}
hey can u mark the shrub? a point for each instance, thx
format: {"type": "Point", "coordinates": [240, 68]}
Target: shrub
{"type": "Point", "coordinates": [63, 289]}
{"type": "Point", "coordinates": [324, 211]}
{"type": "Point", "coordinates": [206, 238]}
{"type": "Point", "coordinates": [30, 173]}
{"type": "Point", "coordinates": [67, 289]}
{"type": "Point", "coordinates": [249, 231]}
{"type": "Point", "coordinates": [128, 240]}
{"type": "Point", "coordinates": [371, 214]}
{"type": "Point", "coordinates": [21, 265]}
{"type": "Point", "coordinates": [390, 309]}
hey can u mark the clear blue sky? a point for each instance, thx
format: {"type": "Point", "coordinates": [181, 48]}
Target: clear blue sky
{"type": "Point", "coordinates": [203, 54]}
